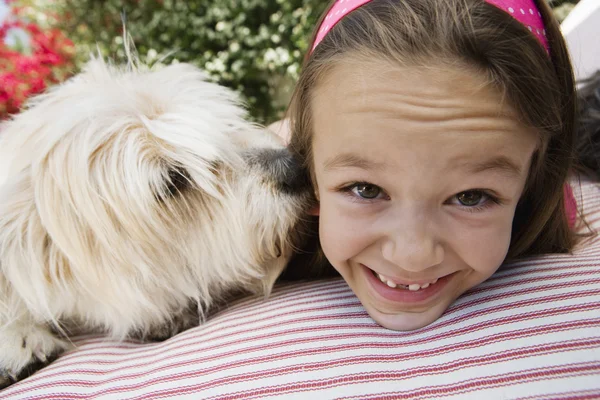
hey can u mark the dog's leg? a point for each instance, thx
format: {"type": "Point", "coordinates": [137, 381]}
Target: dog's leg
{"type": "Point", "coordinates": [26, 347]}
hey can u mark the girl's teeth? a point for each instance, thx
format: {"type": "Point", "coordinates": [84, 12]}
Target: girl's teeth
{"type": "Point", "coordinates": [412, 287]}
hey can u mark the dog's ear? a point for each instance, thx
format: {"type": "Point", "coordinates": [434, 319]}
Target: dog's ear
{"type": "Point", "coordinates": [27, 253]}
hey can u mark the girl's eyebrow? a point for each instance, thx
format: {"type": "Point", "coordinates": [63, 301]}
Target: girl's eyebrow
{"type": "Point", "coordinates": [351, 160]}
{"type": "Point", "coordinates": [501, 164]}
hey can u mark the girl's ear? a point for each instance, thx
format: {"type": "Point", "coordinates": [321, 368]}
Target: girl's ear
{"type": "Point", "coordinates": [315, 210]}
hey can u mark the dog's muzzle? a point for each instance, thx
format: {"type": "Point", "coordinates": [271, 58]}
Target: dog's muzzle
{"type": "Point", "coordinates": [282, 168]}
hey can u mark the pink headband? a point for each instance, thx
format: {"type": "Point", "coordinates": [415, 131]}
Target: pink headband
{"type": "Point", "coordinates": [524, 11]}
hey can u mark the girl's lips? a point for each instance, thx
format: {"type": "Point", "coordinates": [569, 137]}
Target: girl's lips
{"type": "Point", "coordinates": [399, 295]}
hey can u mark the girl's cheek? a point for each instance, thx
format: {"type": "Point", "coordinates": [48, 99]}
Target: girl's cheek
{"type": "Point", "coordinates": [482, 249]}
{"type": "Point", "coordinates": [342, 234]}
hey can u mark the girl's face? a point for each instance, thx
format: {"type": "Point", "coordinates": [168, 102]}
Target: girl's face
{"type": "Point", "coordinates": [419, 171]}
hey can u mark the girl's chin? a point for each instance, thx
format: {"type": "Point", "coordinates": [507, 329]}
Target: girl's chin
{"type": "Point", "coordinates": [406, 321]}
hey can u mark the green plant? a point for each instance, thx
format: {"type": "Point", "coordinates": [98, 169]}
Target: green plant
{"type": "Point", "coordinates": [252, 46]}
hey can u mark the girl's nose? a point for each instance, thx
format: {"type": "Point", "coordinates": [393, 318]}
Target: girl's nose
{"type": "Point", "coordinates": [413, 244]}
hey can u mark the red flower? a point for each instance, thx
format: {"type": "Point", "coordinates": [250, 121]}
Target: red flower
{"type": "Point", "coordinates": [25, 75]}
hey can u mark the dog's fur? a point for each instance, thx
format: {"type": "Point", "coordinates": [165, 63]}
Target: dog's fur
{"type": "Point", "coordinates": [132, 201]}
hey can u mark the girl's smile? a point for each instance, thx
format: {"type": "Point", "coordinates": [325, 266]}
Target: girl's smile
{"type": "Point", "coordinates": [418, 171]}
{"type": "Point", "coordinates": [405, 291]}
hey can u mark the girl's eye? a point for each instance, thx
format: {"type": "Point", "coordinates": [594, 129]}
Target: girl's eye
{"type": "Point", "coordinates": [366, 190]}
{"type": "Point", "coordinates": [475, 200]}
{"type": "Point", "coordinates": [470, 198]}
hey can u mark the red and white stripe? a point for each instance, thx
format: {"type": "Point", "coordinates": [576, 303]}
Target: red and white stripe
{"type": "Point", "coordinates": [532, 331]}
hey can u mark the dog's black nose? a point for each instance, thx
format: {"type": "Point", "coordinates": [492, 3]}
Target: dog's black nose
{"type": "Point", "coordinates": [281, 166]}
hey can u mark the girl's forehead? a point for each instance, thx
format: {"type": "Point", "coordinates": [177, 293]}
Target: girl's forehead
{"type": "Point", "coordinates": [420, 92]}
{"type": "Point", "coordinates": [433, 79]}
{"type": "Point", "coordinates": [382, 106]}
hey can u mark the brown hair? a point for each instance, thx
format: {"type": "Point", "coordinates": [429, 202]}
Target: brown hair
{"type": "Point", "coordinates": [476, 34]}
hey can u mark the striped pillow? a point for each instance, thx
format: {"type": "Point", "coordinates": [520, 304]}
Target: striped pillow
{"type": "Point", "coordinates": [532, 331]}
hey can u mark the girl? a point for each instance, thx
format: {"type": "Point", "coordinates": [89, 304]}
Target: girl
{"type": "Point", "coordinates": [438, 136]}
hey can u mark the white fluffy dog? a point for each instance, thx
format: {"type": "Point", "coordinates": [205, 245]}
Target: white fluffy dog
{"type": "Point", "coordinates": [132, 201]}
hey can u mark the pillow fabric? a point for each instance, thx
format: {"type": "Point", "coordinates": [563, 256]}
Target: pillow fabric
{"type": "Point", "coordinates": [532, 331]}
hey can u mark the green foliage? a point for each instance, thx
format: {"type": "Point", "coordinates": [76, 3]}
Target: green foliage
{"type": "Point", "coordinates": [253, 46]}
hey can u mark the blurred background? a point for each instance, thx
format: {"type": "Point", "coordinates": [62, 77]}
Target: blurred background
{"type": "Point", "coordinates": [253, 46]}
